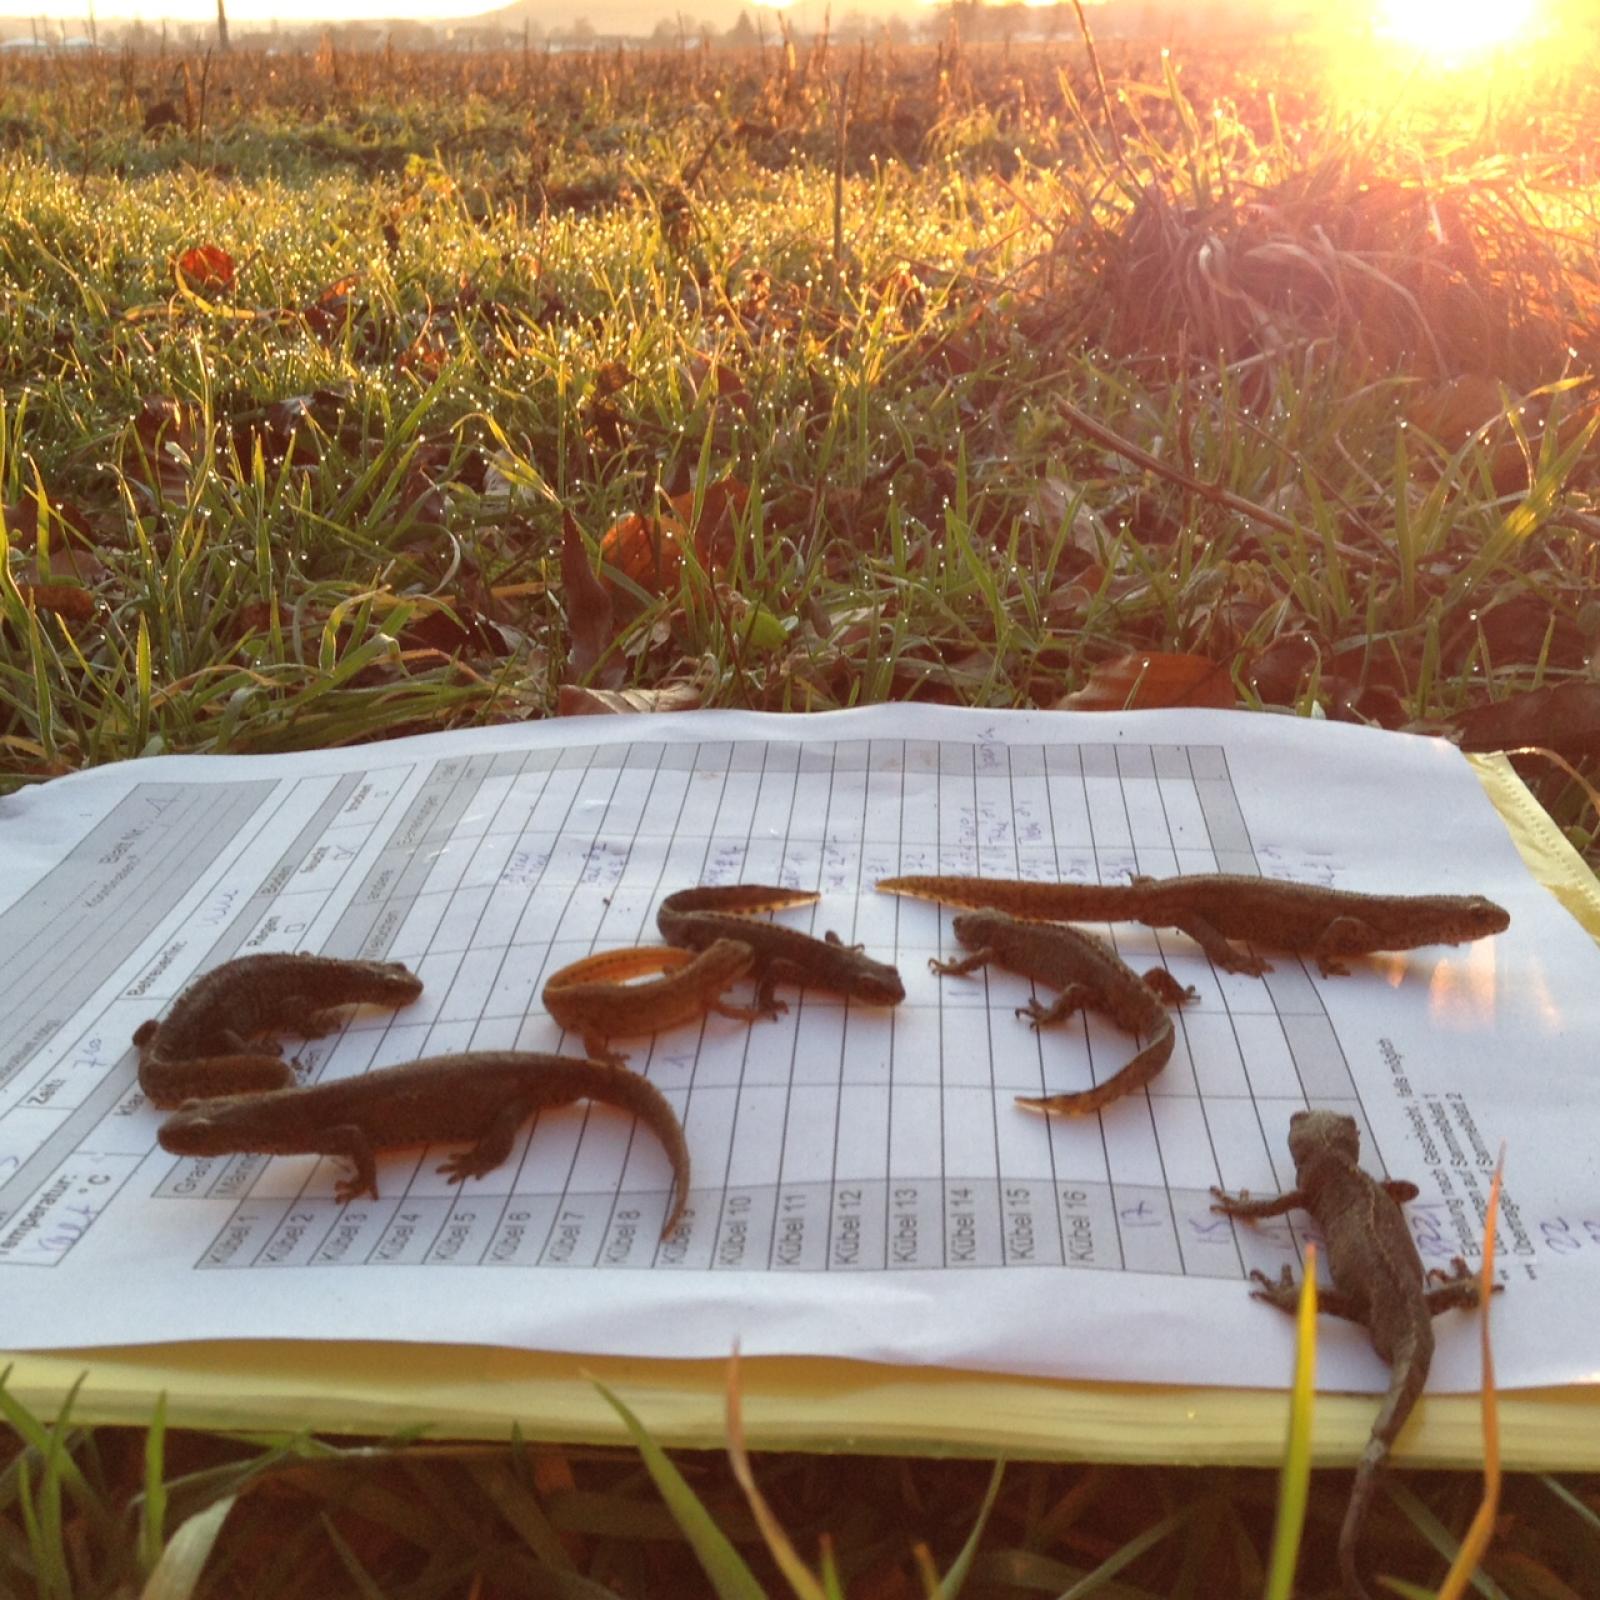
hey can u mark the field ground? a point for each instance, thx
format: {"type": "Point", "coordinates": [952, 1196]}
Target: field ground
{"type": "Point", "coordinates": [985, 377]}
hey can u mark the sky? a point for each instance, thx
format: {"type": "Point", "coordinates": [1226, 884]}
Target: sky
{"type": "Point", "coordinates": [253, 11]}
{"type": "Point", "coordinates": [73, 13]}
{"type": "Point", "coordinates": [1422, 23]}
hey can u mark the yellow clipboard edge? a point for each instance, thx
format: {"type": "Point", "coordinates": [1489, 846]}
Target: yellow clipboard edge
{"type": "Point", "coordinates": [1541, 844]}
{"type": "Point", "coordinates": [792, 1403]}
{"type": "Point", "coordinates": [789, 1403]}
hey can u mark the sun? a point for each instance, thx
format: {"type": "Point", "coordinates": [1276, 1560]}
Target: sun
{"type": "Point", "coordinates": [1452, 27]}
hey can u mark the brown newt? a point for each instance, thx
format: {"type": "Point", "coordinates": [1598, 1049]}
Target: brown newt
{"type": "Point", "coordinates": [1378, 1282]}
{"type": "Point", "coordinates": [590, 997]}
{"type": "Point", "coordinates": [1088, 972]}
{"type": "Point", "coordinates": [480, 1095]}
{"type": "Point", "coordinates": [200, 1048]}
{"type": "Point", "coordinates": [697, 918]}
{"type": "Point", "coordinates": [1214, 908]}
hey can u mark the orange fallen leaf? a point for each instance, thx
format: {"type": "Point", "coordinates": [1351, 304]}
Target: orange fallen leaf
{"type": "Point", "coordinates": [648, 550]}
{"type": "Point", "coordinates": [1143, 680]}
{"type": "Point", "coordinates": [206, 266]}
{"type": "Point", "coordinates": [65, 599]}
{"type": "Point", "coordinates": [645, 550]}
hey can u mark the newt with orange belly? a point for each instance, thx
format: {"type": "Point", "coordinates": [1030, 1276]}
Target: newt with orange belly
{"type": "Point", "coordinates": [698, 917]}
{"type": "Point", "coordinates": [590, 997]}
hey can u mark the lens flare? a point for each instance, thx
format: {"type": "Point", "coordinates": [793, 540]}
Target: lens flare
{"type": "Point", "coordinates": [1453, 27]}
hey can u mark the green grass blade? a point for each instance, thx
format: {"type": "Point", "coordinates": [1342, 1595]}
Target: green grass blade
{"type": "Point", "coordinates": [358, 1574]}
{"type": "Point", "coordinates": [724, 1566]}
{"type": "Point", "coordinates": [141, 678]}
{"type": "Point", "coordinates": [1095, 1581]}
{"type": "Point", "coordinates": [178, 1570]}
{"type": "Point", "coordinates": [1585, 1514]}
{"type": "Point", "coordinates": [1294, 1482]}
{"type": "Point", "coordinates": [1439, 1536]}
{"type": "Point", "coordinates": [153, 1513]}
{"type": "Point", "coordinates": [950, 1585]}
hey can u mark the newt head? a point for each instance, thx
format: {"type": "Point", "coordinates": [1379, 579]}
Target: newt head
{"type": "Point", "coordinates": [1481, 917]}
{"type": "Point", "coordinates": [384, 983]}
{"type": "Point", "coordinates": [1314, 1133]}
{"type": "Point", "coordinates": [194, 1130]}
{"type": "Point", "coordinates": [876, 982]}
{"type": "Point", "coordinates": [976, 928]}
{"type": "Point", "coordinates": [726, 959]}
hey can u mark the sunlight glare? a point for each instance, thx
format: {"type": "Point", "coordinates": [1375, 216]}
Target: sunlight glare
{"type": "Point", "coordinates": [1453, 26]}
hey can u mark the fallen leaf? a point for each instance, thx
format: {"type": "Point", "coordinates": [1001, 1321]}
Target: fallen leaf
{"type": "Point", "coordinates": [590, 619]}
{"type": "Point", "coordinates": [422, 501]}
{"type": "Point", "coordinates": [74, 561]}
{"type": "Point", "coordinates": [206, 266]}
{"type": "Point", "coordinates": [327, 315]}
{"type": "Point", "coordinates": [573, 701]}
{"type": "Point", "coordinates": [71, 546]}
{"type": "Point", "coordinates": [645, 550]}
{"type": "Point", "coordinates": [65, 599]}
{"type": "Point", "coordinates": [160, 456]}
{"type": "Point", "coordinates": [722, 502]}
{"type": "Point", "coordinates": [612, 377]}
{"type": "Point", "coordinates": [426, 355]}
{"type": "Point", "coordinates": [1520, 631]}
{"type": "Point", "coordinates": [1451, 410]}
{"type": "Point", "coordinates": [648, 550]}
{"type": "Point", "coordinates": [450, 631]}
{"type": "Point", "coordinates": [1279, 672]}
{"type": "Point", "coordinates": [1143, 680]}
{"type": "Point", "coordinates": [284, 430]}
{"type": "Point", "coordinates": [709, 376]}
{"type": "Point", "coordinates": [1564, 717]}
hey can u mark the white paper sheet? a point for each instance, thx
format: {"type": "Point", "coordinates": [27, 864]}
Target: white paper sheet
{"type": "Point", "coordinates": [864, 1184]}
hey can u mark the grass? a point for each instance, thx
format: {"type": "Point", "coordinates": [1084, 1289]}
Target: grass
{"type": "Point", "coordinates": [961, 375]}
{"type": "Point", "coordinates": [88, 1513]}
{"type": "Point", "coordinates": [314, 493]}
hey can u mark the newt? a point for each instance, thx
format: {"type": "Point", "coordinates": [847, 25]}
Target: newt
{"type": "Point", "coordinates": [481, 1095]}
{"type": "Point", "coordinates": [590, 997]}
{"type": "Point", "coordinates": [697, 918]}
{"type": "Point", "coordinates": [1215, 908]}
{"type": "Point", "coordinates": [200, 1048]}
{"type": "Point", "coordinates": [1378, 1282]}
{"type": "Point", "coordinates": [1089, 973]}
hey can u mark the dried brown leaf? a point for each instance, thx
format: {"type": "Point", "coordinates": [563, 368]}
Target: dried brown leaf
{"type": "Point", "coordinates": [65, 599]}
{"type": "Point", "coordinates": [573, 701]}
{"type": "Point", "coordinates": [1564, 717]}
{"type": "Point", "coordinates": [1146, 679]}
{"type": "Point", "coordinates": [590, 620]}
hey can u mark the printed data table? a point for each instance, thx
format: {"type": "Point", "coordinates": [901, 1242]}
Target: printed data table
{"type": "Point", "coordinates": [852, 1152]}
